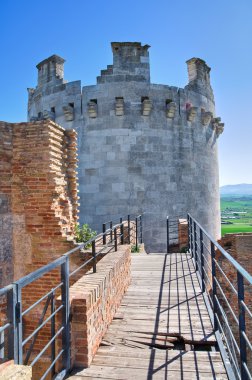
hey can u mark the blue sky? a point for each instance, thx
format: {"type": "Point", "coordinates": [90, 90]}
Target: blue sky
{"type": "Point", "coordinates": [220, 32]}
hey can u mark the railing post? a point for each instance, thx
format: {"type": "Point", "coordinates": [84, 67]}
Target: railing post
{"type": "Point", "coordinates": [104, 235]}
{"type": "Point", "coordinates": [214, 286]}
{"type": "Point", "coordinates": [121, 231]}
{"type": "Point", "coordinates": [188, 232]}
{"type": "Point", "coordinates": [129, 228]}
{"type": "Point", "coordinates": [94, 256]}
{"type": "Point", "coordinates": [115, 238]}
{"type": "Point", "coordinates": [242, 326]}
{"type": "Point", "coordinates": [65, 314]}
{"type": "Point", "coordinates": [141, 229]}
{"type": "Point", "coordinates": [53, 332]}
{"type": "Point", "coordinates": [19, 324]}
{"type": "Point", "coordinates": [167, 234]}
{"type": "Point", "coordinates": [12, 332]}
{"type": "Point", "coordinates": [195, 244]}
{"type": "Point", "coordinates": [111, 232]}
{"type": "Point", "coordinates": [136, 234]}
{"type": "Point", "coordinates": [202, 262]}
{"type": "Point", "coordinates": [191, 235]}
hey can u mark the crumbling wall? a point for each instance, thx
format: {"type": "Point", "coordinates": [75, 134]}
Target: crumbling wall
{"type": "Point", "coordinates": [38, 195]}
{"type": "Point", "coordinates": [39, 210]}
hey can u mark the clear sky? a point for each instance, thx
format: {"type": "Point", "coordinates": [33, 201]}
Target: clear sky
{"type": "Point", "coordinates": [218, 31]}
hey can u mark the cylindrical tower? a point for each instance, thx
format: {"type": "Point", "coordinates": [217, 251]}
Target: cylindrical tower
{"type": "Point", "coordinates": [148, 148]}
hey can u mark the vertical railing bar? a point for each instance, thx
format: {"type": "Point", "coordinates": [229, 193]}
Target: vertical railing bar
{"type": "Point", "coordinates": [242, 326]}
{"type": "Point", "coordinates": [13, 331]}
{"type": "Point", "coordinates": [111, 232]}
{"type": "Point", "coordinates": [167, 234]}
{"type": "Point", "coordinates": [2, 344]}
{"type": "Point", "coordinates": [188, 233]}
{"type": "Point", "coordinates": [104, 234]}
{"type": "Point", "coordinates": [94, 256]}
{"type": "Point", "coordinates": [214, 286]}
{"type": "Point", "coordinates": [65, 314]}
{"type": "Point", "coordinates": [202, 261]}
{"type": "Point", "coordinates": [129, 229]}
{"type": "Point", "coordinates": [19, 322]}
{"type": "Point", "coordinates": [141, 230]}
{"type": "Point", "coordinates": [121, 230]}
{"type": "Point", "coordinates": [115, 238]}
{"type": "Point", "coordinates": [53, 332]}
{"type": "Point", "coordinates": [195, 245]}
{"type": "Point", "coordinates": [136, 234]}
{"type": "Point", "coordinates": [191, 233]}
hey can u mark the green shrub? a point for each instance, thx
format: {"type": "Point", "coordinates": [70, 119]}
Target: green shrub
{"type": "Point", "coordinates": [184, 250]}
{"type": "Point", "coordinates": [84, 233]}
{"type": "Point", "coordinates": [135, 248]}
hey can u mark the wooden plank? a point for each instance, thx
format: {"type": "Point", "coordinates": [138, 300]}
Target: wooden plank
{"type": "Point", "coordinates": [163, 307]}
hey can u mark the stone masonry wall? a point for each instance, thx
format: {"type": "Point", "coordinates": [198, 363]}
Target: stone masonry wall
{"type": "Point", "coordinates": [94, 300]}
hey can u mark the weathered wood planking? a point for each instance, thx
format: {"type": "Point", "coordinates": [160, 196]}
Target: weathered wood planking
{"type": "Point", "coordinates": [159, 328]}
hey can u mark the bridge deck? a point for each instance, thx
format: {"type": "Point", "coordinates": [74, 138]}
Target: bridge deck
{"type": "Point", "coordinates": [162, 328]}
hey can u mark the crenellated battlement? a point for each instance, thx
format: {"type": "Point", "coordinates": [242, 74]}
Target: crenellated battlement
{"type": "Point", "coordinates": [62, 102]}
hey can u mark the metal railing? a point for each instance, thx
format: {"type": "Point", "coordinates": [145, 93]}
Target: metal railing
{"type": "Point", "coordinates": [226, 301]}
{"type": "Point", "coordinates": [172, 231]}
{"type": "Point", "coordinates": [14, 344]}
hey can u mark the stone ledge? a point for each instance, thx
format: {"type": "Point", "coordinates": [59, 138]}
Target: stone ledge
{"type": "Point", "coordinates": [10, 371]}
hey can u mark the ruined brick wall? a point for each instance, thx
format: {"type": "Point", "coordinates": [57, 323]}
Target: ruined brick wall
{"type": "Point", "coordinates": [39, 209]}
{"type": "Point", "coordinates": [6, 219]}
{"type": "Point", "coordinates": [38, 194]}
{"type": "Point", "coordinates": [240, 248]}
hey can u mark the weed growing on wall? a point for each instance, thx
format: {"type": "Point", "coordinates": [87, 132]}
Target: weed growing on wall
{"type": "Point", "coordinates": [83, 233]}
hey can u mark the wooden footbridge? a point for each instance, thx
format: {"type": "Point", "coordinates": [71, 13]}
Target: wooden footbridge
{"type": "Point", "coordinates": [162, 329]}
{"type": "Point", "coordinates": [182, 317]}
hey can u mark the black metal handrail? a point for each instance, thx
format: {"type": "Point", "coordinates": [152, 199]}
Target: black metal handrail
{"type": "Point", "coordinates": [234, 344]}
{"type": "Point", "coordinates": [104, 242]}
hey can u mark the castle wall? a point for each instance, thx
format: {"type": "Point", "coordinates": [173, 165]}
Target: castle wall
{"type": "Point", "coordinates": [143, 148]}
{"type": "Point", "coordinates": [147, 164]}
{"type": "Point", "coordinates": [38, 195]}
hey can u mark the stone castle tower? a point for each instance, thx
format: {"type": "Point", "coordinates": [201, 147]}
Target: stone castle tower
{"type": "Point", "coordinates": [143, 147]}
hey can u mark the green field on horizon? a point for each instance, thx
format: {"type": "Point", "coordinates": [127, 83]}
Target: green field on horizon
{"type": "Point", "coordinates": [236, 210]}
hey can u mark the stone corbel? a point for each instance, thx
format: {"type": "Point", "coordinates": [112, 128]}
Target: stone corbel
{"type": "Point", "coordinates": [206, 117]}
{"type": "Point", "coordinates": [218, 127]}
{"type": "Point", "coordinates": [48, 115]}
{"type": "Point", "coordinates": [92, 109]}
{"type": "Point", "coordinates": [191, 113]}
{"type": "Point", "coordinates": [170, 110]}
{"type": "Point", "coordinates": [119, 107]}
{"type": "Point", "coordinates": [146, 107]}
{"type": "Point", "coordinates": [68, 112]}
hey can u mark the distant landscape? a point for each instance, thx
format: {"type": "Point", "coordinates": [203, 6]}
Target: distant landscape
{"type": "Point", "coordinates": [236, 208]}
